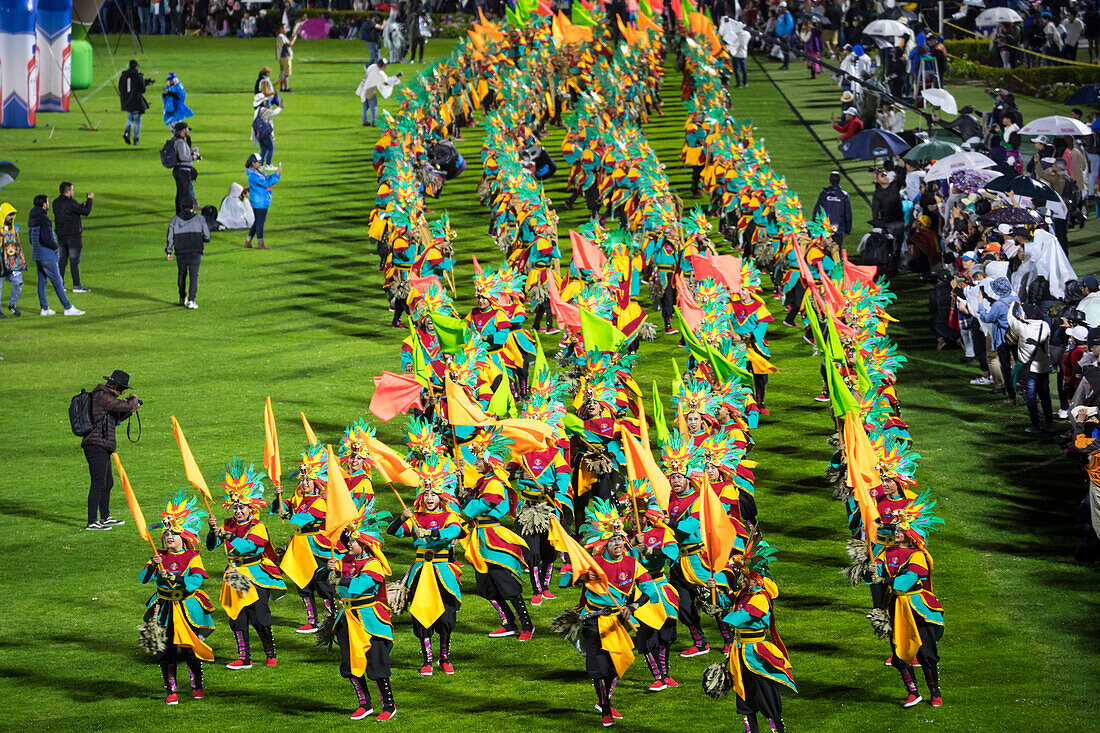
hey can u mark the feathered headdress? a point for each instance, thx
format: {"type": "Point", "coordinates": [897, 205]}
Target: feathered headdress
{"type": "Point", "coordinates": [433, 298]}
{"type": "Point", "coordinates": [354, 442]}
{"type": "Point", "coordinates": [640, 492]}
{"type": "Point", "coordinates": [368, 527]}
{"type": "Point", "coordinates": [600, 387]}
{"type": "Point", "coordinates": [437, 476]}
{"type": "Point", "coordinates": [243, 485]}
{"type": "Point", "coordinates": [182, 518]}
{"type": "Point", "coordinates": [720, 450]}
{"type": "Point", "coordinates": [491, 445]}
{"type": "Point", "coordinates": [753, 562]}
{"type": "Point", "coordinates": [422, 439]}
{"type": "Point", "coordinates": [679, 455]}
{"type": "Point", "coordinates": [917, 519]}
{"type": "Point", "coordinates": [695, 396]}
{"type": "Point", "coordinates": [895, 459]}
{"type": "Point", "coordinates": [313, 464]}
{"type": "Point", "coordinates": [602, 522]}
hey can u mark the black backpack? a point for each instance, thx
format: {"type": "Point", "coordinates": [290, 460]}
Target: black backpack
{"type": "Point", "coordinates": [80, 414]}
{"type": "Point", "coordinates": [168, 154]}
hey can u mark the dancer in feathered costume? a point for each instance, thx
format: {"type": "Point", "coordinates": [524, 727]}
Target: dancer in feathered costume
{"type": "Point", "coordinates": [360, 618]}
{"type": "Point", "coordinates": [177, 616]}
{"type": "Point", "coordinates": [495, 552]}
{"type": "Point", "coordinates": [356, 460]}
{"type": "Point", "coordinates": [308, 549]}
{"type": "Point", "coordinates": [757, 667]}
{"type": "Point", "coordinates": [434, 595]}
{"type": "Point", "coordinates": [252, 575]}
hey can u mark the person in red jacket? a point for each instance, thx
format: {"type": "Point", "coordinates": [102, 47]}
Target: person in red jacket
{"type": "Point", "coordinates": [849, 124]}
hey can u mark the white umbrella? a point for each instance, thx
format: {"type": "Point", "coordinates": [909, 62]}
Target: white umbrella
{"type": "Point", "coordinates": [964, 161]}
{"type": "Point", "coordinates": [886, 29]}
{"type": "Point", "coordinates": [993, 16]}
{"type": "Point", "coordinates": [942, 99]}
{"type": "Point", "coordinates": [1055, 125]}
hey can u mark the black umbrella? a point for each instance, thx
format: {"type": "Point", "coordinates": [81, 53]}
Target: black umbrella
{"type": "Point", "coordinates": [897, 13]}
{"type": "Point", "coordinates": [1088, 94]}
{"type": "Point", "coordinates": [1011, 215]}
{"type": "Point", "coordinates": [871, 144]}
{"type": "Point", "coordinates": [1023, 186]}
{"type": "Point", "coordinates": [8, 172]}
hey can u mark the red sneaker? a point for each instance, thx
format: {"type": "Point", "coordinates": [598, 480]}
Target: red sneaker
{"type": "Point", "coordinates": [198, 694]}
{"type": "Point", "coordinates": [361, 713]}
{"type": "Point", "coordinates": [608, 721]}
{"type": "Point", "coordinates": [426, 670]}
{"type": "Point", "coordinates": [912, 700]}
{"type": "Point", "coordinates": [536, 600]}
{"type": "Point", "coordinates": [657, 686]}
{"type": "Point", "coordinates": [307, 629]}
{"type": "Point", "coordinates": [726, 649]}
{"type": "Point", "coordinates": [694, 651]}
{"type": "Point", "coordinates": [553, 331]}
{"type": "Point", "coordinates": [823, 397]}
{"type": "Point", "coordinates": [616, 714]}
{"type": "Point", "coordinates": [447, 667]}
{"type": "Point", "coordinates": [386, 715]}
{"type": "Point", "coordinates": [937, 701]}
{"type": "Point", "coordinates": [237, 664]}
{"type": "Point", "coordinates": [502, 631]}
{"type": "Point", "coordinates": [548, 596]}
{"type": "Point", "coordinates": [890, 662]}
{"type": "Point", "coordinates": [671, 331]}
{"type": "Point", "coordinates": [172, 699]}
{"type": "Point", "coordinates": [271, 662]}
{"type": "Point", "coordinates": [671, 682]}
{"type": "Point", "coordinates": [526, 635]}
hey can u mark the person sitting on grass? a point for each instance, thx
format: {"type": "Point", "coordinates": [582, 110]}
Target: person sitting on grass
{"type": "Point", "coordinates": [849, 125]}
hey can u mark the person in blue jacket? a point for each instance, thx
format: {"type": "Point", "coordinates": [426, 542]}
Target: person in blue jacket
{"type": "Point", "coordinates": [175, 101]}
{"type": "Point", "coordinates": [259, 195]}
{"type": "Point", "coordinates": [784, 30]}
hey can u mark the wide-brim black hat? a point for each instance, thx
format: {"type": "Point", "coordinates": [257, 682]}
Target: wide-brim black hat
{"type": "Point", "coordinates": [119, 377]}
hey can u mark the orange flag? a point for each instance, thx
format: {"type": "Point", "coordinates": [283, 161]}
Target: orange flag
{"type": "Point", "coordinates": [392, 466]}
{"type": "Point", "coordinates": [309, 430]}
{"type": "Point", "coordinates": [717, 531]}
{"type": "Point", "coordinates": [527, 435]}
{"type": "Point", "coordinates": [132, 502]}
{"type": "Point", "coordinates": [194, 475]}
{"type": "Point", "coordinates": [579, 558]}
{"type": "Point", "coordinates": [862, 475]}
{"type": "Point", "coordinates": [569, 314]}
{"type": "Point", "coordinates": [640, 465]}
{"type": "Point", "coordinates": [853, 272]}
{"type": "Point", "coordinates": [461, 410]}
{"type": "Point", "coordinates": [730, 267]}
{"type": "Point", "coordinates": [587, 255]}
{"type": "Point", "coordinates": [394, 394]}
{"type": "Point", "coordinates": [271, 446]}
{"type": "Point", "coordinates": [339, 507]}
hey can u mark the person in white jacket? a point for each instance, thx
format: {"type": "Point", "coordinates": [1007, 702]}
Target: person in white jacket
{"type": "Point", "coordinates": [375, 81]}
{"type": "Point", "coordinates": [1032, 336]}
{"type": "Point", "coordinates": [235, 211]}
{"type": "Point", "coordinates": [736, 40]}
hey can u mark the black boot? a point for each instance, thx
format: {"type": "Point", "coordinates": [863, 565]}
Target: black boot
{"type": "Point", "coordinates": [267, 639]}
{"type": "Point", "coordinates": [359, 684]}
{"type": "Point", "coordinates": [525, 623]}
{"type": "Point", "coordinates": [311, 612]}
{"type": "Point", "coordinates": [385, 696]}
{"type": "Point", "coordinates": [777, 725]}
{"type": "Point", "coordinates": [194, 670]}
{"type": "Point", "coordinates": [445, 653]}
{"type": "Point", "coordinates": [603, 701]}
{"type": "Point", "coordinates": [910, 687]}
{"type": "Point", "coordinates": [244, 652]}
{"type": "Point", "coordinates": [932, 677]}
{"type": "Point", "coordinates": [426, 654]}
{"type": "Point", "coordinates": [750, 723]}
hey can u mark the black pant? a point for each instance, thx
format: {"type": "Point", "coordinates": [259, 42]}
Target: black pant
{"type": "Point", "coordinates": [417, 42]}
{"type": "Point", "coordinates": [185, 189]}
{"type": "Point", "coordinates": [187, 263]}
{"type": "Point", "coordinates": [1004, 356]}
{"type": "Point", "coordinates": [68, 252]}
{"type": "Point", "coordinates": [99, 494]}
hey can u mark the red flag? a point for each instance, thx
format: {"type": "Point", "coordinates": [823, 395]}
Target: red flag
{"type": "Point", "coordinates": [568, 314]}
{"type": "Point", "coordinates": [586, 255]}
{"type": "Point", "coordinates": [864, 273]}
{"type": "Point", "coordinates": [704, 269]}
{"type": "Point", "coordinates": [423, 283]}
{"type": "Point", "coordinates": [693, 314]}
{"type": "Point", "coordinates": [394, 394]}
{"type": "Point", "coordinates": [477, 265]}
{"type": "Point", "coordinates": [730, 267]}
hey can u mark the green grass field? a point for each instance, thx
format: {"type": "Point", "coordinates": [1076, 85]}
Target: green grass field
{"type": "Point", "coordinates": [307, 324]}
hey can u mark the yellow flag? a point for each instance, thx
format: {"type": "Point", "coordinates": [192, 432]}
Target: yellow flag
{"type": "Point", "coordinates": [131, 501]}
{"type": "Point", "coordinates": [310, 435]}
{"type": "Point", "coordinates": [271, 446]}
{"type": "Point", "coordinates": [194, 475]}
{"type": "Point", "coordinates": [339, 507]}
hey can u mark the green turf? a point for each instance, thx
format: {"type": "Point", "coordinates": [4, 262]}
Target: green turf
{"type": "Point", "coordinates": [306, 323]}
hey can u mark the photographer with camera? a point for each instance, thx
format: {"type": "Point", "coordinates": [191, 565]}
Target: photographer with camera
{"type": "Point", "coordinates": [183, 168]}
{"type": "Point", "coordinates": [107, 411]}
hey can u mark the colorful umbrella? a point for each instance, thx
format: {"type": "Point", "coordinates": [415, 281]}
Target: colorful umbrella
{"type": "Point", "coordinates": [972, 181]}
{"type": "Point", "coordinates": [961, 161]}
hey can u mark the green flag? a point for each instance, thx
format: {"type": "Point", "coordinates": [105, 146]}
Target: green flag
{"type": "Point", "coordinates": [697, 349]}
{"type": "Point", "coordinates": [451, 332]}
{"type": "Point", "coordinates": [599, 334]}
{"type": "Point", "coordinates": [540, 357]}
{"type": "Point", "coordinates": [421, 370]}
{"type": "Point", "coordinates": [835, 347]}
{"type": "Point", "coordinates": [503, 404]}
{"type": "Point", "coordinates": [864, 378]}
{"type": "Point", "coordinates": [659, 414]}
{"type": "Point", "coordinates": [815, 325]}
{"type": "Point", "coordinates": [581, 16]}
{"type": "Point", "coordinates": [839, 395]}
{"type": "Point", "coordinates": [725, 369]}
{"type": "Point", "coordinates": [572, 423]}
{"type": "Point", "coordinates": [678, 380]}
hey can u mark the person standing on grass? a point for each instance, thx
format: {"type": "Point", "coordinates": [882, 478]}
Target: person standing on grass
{"type": "Point", "coordinates": [370, 33]}
{"type": "Point", "coordinates": [784, 31]}
{"type": "Point", "coordinates": [108, 410]}
{"type": "Point", "coordinates": [13, 262]}
{"type": "Point", "coordinates": [284, 51]}
{"type": "Point", "coordinates": [174, 97]}
{"type": "Point", "coordinates": [131, 94]}
{"type": "Point", "coordinates": [183, 172]}
{"type": "Point", "coordinates": [66, 215]}
{"type": "Point", "coordinates": [375, 81]}
{"type": "Point", "coordinates": [187, 235]}
{"type": "Point", "coordinates": [259, 195]}
{"type": "Point", "coordinates": [833, 200]}
{"type": "Point", "coordinates": [44, 252]}
{"type": "Point", "coordinates": [263, 129]}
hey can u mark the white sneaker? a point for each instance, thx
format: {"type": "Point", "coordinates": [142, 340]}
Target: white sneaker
{"type": "Point", "coordinates": [270, 168]}
{"type": "Point", "coordinates": [982, 381]}
{"type": "Point", "coordinates": [1063, 414]}
{"type": "Point", "coordinates": [72, 310]}
{"type": "Point", "coordinates": [81, 289]}
{"type": "Point", "coordinates": [47, 312]}
{"type": "Point", "coordinates": [192, 304]}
